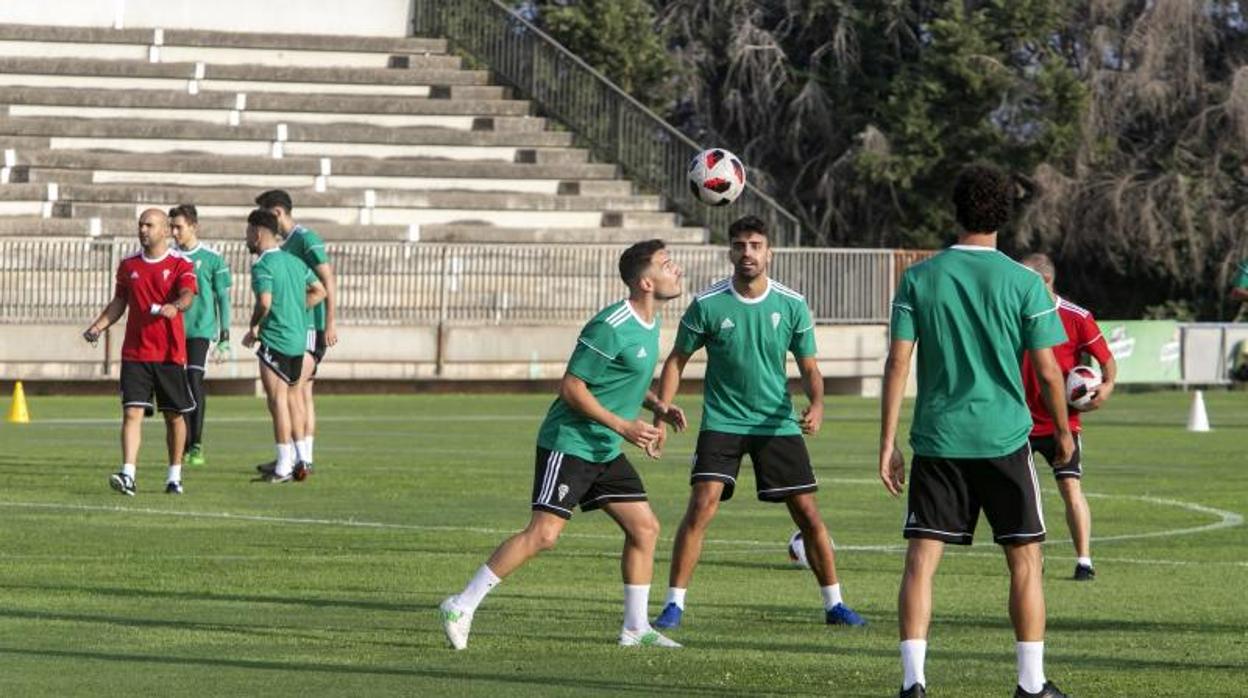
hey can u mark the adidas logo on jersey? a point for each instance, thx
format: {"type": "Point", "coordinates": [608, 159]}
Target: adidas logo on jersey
{"type": "Point", "coordinates": [563, 492]}
{"type": "Point", "coordinates": [134, 275]}
{"type": "Point", "coordinates": [727, 324]}
{"type": "Point", "coordinates": [641, 353]}
{"type": "Point", "coordinates": [775, 320]}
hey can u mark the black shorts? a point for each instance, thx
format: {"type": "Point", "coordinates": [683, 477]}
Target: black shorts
{"type": "Point", "coordinates": [946, 495]}
{"type": "Point", "coordinates": [317, 346]}
{"type": "Point", "coordinates": [781, 464]}
{"type": "Point", "coordinates": [288, 368]}
{"type": "Point", "coordinates": [167, 381]}
{"type": "Point", "coordinates": [562, 481]}
{"type": "Point", "coordinates": [1047, 447]}
{"type": "Point", "coordinates": [196, 353]}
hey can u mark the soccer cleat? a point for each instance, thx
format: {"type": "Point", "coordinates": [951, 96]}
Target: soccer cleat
{"type": "Point", "coordinates": [301, 471]}
{"type": "Point", "coordinates": [194, 456]}
{"type": "Point", "coordinates": [915, 691]}
{"type": "Point", "coordinates": [645, 638]}
{"type": "Point", "coordinates": [273, 478]}
{"type": "Point", "coordinates": [266, 468]}
{"type": "Point", "coordinates": [173, 488]}
{"type": "Point", "coordinates": [669, 617]}
{"type": "Point", "coordinates": [841, 614]}
{"type": "Point", "coordinates": [455, 623]}
{"type": "Point", "coordinates": [1084, 573]}
{"type": "Point", "coordinates": [1048, 690]}
{"type": "Point", "coordinates": [123, 483]}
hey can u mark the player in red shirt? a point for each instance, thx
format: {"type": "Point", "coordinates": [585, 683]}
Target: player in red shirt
{"type": "Point", "coordinates": [156, 285]}
{"type": "Point", "coordinates": [1083, 337]}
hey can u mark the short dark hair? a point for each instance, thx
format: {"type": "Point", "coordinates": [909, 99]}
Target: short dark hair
{"type": "Point", "coordinates": [637, 257]}
{"type": "Point", "coordinates": [263, 218]}
{"type": "Point", "coordinates": [983, 196]}
{"type": "Point", "coordinates": [746, 225]}
{"type": "Point", "coordinates": [275, 197]}
{"type": "Point", "coordinates": [186, 211]}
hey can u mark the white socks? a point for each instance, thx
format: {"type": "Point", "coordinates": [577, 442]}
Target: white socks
{"type": "Point", "coordinates": [676, 595]}
{"type": "Point", "coordinates": [636, 602]}
{"type": "Point", "coordinates": [831, 596]}
{"type": "Point", "coordinates": [480, 585]}
{"type": "Point", "coordinates": [175, 473]}
{"type": "Point", "coordinates": [1030, 665]}
{"type": "Point", "coordinates": [1083, 561]}
{"type": "Point", "coordinates": [303, 449]}
{"type": "Point", "coordinates": [285, 459]}
{"type": "Point", "coordinates": [913, 654]}
{"type": "Point", "coordinates": [128, 470]}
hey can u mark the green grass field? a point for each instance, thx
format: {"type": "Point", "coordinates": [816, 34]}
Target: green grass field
{"type": "Point", "coordinates": [329, 587]}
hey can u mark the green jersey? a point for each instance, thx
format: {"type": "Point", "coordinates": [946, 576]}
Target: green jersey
{"type": "Point", "coordinates": [308, 246]}
{"type": "Point", "coordinates": [972, 311]}
{"type": "Point", "coordinates": [746, 339]}
{"type": "Point", "coordinates": [210, 313]}
{"type": "Point", "coordinates": [615, 356]}
{"type": "Point", "coordinates": [285, 328]}
{"type": "Point", "coordinates": [1241, 279]}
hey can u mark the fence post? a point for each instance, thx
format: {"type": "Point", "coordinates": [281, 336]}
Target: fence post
{"type": "Point", "coordinates": [440, 349]}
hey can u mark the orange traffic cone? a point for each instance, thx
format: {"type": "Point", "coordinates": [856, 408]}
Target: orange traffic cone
{"type": "Point", "coordinates": [18, 414]}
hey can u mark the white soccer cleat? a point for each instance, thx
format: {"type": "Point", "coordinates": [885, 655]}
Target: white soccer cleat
{"type": "Point", "coordinates": [456, 623]}
{"type": "Point", "coordinates": [645, 638]}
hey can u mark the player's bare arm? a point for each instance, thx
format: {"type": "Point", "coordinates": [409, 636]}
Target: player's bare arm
{"type": "Point", "coordinates": [315, 294]}
{"type": "Point", "coordinates": [325, 272]}
{"type": "Point", "coordinates": [576, 393]}
{"type": "Point", "coordinates": [1239, 294]}
{"type": "Point", "coordinates": [812, 385]}
{"type": "Point", "coordinates": [1054, 393]}
{"type": "Point", "coordinates": [111, 314]}
{"type": "Point", "coordinates": [896, 372]}
{"type": "Point", "coordinates": [669, 384]}
{"type": "Point", "coordinates": [665, 412]}
{"type": "Point", "coordinates": [1109, 373]}
{"type": "Point", "coordinates": [183, 303]}
{"type": "Point", "coordinates": [264, 302]}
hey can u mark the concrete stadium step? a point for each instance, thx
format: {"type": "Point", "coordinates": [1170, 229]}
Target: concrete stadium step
{"type": "Point", "coordinates": [340, 198]}
{"type": "Point", "coordinates": [119, 128]}
{"type": "Point", "coordinates": [130, 75]}
{"type": "Point", "coordinates": [231, 117]}
{"type": "Point", "coordinates": [200, 38]}
{"type": "Point", "coordinates": [67, 160]}
{"type": "Point", "coordinates": [217, 229]}
{"type": "Point", "coordinates": [265, 102]}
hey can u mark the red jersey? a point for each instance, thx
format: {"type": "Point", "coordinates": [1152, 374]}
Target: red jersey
{"type": "Point", "coordinates": [145, 283]}
{"type": "Point", "coordinates": [1083, 336]}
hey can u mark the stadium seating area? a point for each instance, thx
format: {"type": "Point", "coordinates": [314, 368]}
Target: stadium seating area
{"type": "Point", "coordinates": [376, 139]}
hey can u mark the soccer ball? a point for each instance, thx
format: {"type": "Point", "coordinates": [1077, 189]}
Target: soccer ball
{"type": "Point", "coordinates": [1081, 385]}
{"type": "Point", "coordinates": [797, 550]}
{"type": "Point", "coordinates": [716, 177]}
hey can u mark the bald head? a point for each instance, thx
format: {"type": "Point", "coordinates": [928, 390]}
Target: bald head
{"type": "Point", "coordinates": [154, 231]}
{"type": "Point", "coordinates": [1040, 263]}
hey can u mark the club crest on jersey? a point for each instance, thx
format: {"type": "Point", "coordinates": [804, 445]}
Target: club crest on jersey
{"type": "Point", "coordinates": [165, 274]}
{"type": "Point", "coordinates": [198, 262]}
{"type": "Point", "coordinates": [727, 324]}
{"type": "Point", "coordinates": [563, 492]}
{"type": "Point", "coordinates": [775, 320]}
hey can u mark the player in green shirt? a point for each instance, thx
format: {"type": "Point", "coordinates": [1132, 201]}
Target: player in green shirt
{"type": "Point", "coordinates": [579, 461]}
{"type": "Point", "coordinates": [285, 290]}
{"type": "Point", "coordinates": [207, 321]}
{"type": "Point", "coordinates": [748, 323]}
{"type": "Point", "coordinates": [1239, 289]}
{"type": "Point", "coordinates": [308, 246]}
{"type": "Point", "coordinates": [970, 312]}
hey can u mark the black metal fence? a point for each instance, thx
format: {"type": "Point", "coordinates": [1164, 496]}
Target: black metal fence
{"type": "Point", "coordinates": [616, 127]}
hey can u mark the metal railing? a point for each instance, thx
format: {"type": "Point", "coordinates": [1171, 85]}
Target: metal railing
{"type": "Point", "coordinates": [616, 127]}
{"type": "Point", "coordinates": [70, 280]}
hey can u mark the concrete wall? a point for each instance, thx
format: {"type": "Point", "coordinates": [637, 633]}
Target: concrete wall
{"type": "Point", "coordinates": [854, 354]}
{"type": "Point", "coordinates": [357, 17]}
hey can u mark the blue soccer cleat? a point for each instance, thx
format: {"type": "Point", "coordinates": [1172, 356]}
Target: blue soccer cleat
{"type": "Point", "coordinates": [669, 617]}
{"type": "Point", "coordinates": [841, 614]}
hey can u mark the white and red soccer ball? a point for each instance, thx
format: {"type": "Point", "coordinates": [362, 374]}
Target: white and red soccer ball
{"type": "Point", "coordinates": [716, 177]}
{"type": "Point", "coordinates": [1081, 385]}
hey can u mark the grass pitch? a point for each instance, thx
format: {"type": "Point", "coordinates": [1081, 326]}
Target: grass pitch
{"type": "Point", "coordinates": [328, 587]}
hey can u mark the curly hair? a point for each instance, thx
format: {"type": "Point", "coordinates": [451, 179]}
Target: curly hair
{"type": "Point", "coordinates": [983, 196]}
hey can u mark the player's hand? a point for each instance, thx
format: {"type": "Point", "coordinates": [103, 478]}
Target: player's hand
{"type": "Point", "coordinates": [249, 339]}
{"type": "Point", "coordinates": [169, 311]}
{"type": "Point", "coordinates": [92, 335]}
{"type": "Point", "coordinates": [1102, 394]}
{"type": "Point", "coordinates": [1065, 449]}
{"type": "Point", "coordinates": [892, 469]}
{"type": "Point", "coordinates": [655, 449]}
{"type": "Point", "coordinates": [331, 335]}
{"type": "Point", "coordinates": [812, 419]}
{"type": "Point", "coordinates": [670, 414]}
{"type": "Point", "coordinates": [640, 434]}
{"type": "Point", "coordinates": [221, 352]}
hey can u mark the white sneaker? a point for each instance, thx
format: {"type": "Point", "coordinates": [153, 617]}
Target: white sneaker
{"type": "Point", "coordinates": [645, 638]}
{"type": "Point", "coordinates": [456, 623]}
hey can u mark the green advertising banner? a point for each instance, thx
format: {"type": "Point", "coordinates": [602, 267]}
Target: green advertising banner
{"type": "Point", "coordinates": [1147, 351]}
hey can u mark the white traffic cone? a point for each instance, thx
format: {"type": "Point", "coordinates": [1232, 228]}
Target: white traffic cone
{"type": "Point", "coordinates": [1197, 417]}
